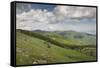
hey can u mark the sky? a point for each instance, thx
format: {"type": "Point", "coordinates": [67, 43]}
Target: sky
{"type": "Point", "coordinates": [55, 18]}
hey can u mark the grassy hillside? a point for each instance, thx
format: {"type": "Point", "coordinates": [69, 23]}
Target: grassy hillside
{"type": "Point", "coordinates": [33, 50]}
{"type": "Point", "coordinates": [71, 37]}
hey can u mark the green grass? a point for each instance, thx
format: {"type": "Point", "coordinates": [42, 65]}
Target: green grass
{"type": "Point", "coordinates": [32, 50]}
{"type": "Point", "coordinates": [72, 37]}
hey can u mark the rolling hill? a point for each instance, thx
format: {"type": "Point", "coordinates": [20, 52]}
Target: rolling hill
{"type": "Point", "coordinates": [70, 37]}
{"type": "Point", "coordinates": [38, 47]}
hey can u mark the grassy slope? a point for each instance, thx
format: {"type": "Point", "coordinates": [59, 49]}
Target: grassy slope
{"type": "Point", "coordinates": [31, 49]}
{"type": "Point", "coordinates": [72, 37]}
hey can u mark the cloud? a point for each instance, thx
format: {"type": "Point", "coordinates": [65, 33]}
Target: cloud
{"type": "Point", "coordinates": [62, 18]}
{"type": "Point", "coordinates": [23, 7]}
{"type": "Point", "coordinates": [75, 12]}
{"type": "Point", "coordinates": [34, 17]}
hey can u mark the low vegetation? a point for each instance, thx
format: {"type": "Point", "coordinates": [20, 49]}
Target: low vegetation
{"type": "Point", "coordinates": [34, 47]}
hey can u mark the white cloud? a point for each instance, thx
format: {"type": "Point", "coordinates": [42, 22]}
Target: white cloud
{"type": "Point", "coordinates": [61, 18]}
{"type": "Point", "coordinates": [75, 11]}
{"type": "Point", "coordinates": [32, 18]}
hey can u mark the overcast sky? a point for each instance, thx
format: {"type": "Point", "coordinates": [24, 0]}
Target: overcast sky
{"type": "Point", "coordinates": [55, 17]}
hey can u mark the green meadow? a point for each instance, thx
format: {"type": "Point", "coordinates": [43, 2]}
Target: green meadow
{"type": "Point", "coordinates": [44, 47]}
